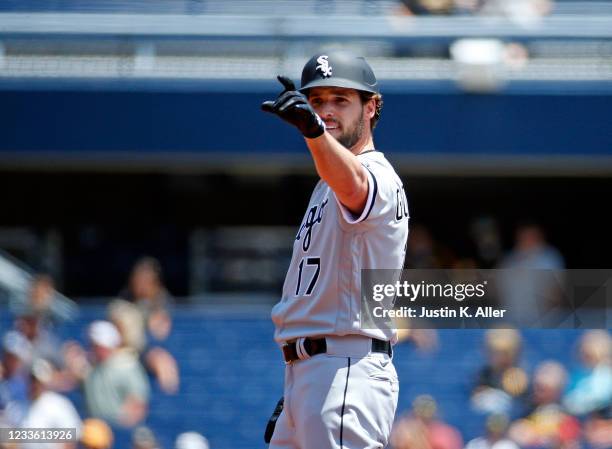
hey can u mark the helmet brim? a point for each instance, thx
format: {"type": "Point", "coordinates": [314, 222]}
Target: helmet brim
{"type": "Point", "coordinates": [338, 82]}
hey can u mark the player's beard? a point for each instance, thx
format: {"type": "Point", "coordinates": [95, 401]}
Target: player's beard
{"type": "Point", "coordinates": [349, 138]}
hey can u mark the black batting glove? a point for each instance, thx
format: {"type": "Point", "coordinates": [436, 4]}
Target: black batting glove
{"type": "Point", "coordinates": [292, 106]}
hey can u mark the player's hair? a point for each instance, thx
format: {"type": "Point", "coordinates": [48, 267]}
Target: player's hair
{"type": "Point", "coordinates": [367, 96]}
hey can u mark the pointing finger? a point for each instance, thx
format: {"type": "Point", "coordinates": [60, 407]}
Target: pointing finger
{"type": "Point", "coordinates": [286, 82]}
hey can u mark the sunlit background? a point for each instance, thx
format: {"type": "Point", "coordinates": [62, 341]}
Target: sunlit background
{"type": "Point", "coordinates": [135, 164]}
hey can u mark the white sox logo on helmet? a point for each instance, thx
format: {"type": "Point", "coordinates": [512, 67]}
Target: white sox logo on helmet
{"type": "Point", "coordinates": [324, 66]}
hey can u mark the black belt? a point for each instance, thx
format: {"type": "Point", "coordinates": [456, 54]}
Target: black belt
{"type": "Point", "coordinates": [314, 346]}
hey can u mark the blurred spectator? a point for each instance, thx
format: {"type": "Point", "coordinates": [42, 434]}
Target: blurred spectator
{"type": "Point", "coordinates": [159, 362]}
{"type": "Point", "coordinates": [501, 380]}
{"type": "Point", "coordinates": [524, 12]}
{"type": "Point", "coordinates": [486, 236]}
{"type": "Point", "coordinates": [96, 434]}
{"type": "Point", "coordinates": [143, 438]}
{"type": "Point", "coordinates": [529, 289]}
{"type": "Point", "coordinates": [427, 7]}
{"type": "Point", "coordinates": [191, 440]}
{"type": "Point", "coordinates": [547, 425]}
{"type": "Point", "coordinates": [14, 366]}
{"type": "Point", "coordinates": [495, 438]}
{"type": "Point", "coordinates": [590, 388]}
{"type": "Point", "coordinates": [115, 384]}
{"type": "Point", "coordinates": [41, 299]}
{"type": "Point", "coordinates": [423, 252]}
{"type": "Point", "coordinates": [590, 391]}
{"type": "Point", "coordinates": [42, 290]}
{"type": "Point", "coordinates": [49, 409]}
{"type": "Point", "coordinates": [532, 251]}
{"type": "Point", "coordinates": [130, 323]}
{"type": "Point", "coordinates": [421, 429]}
{"type": "Point", "coordinates": [45, 344]}
{"type": "Point", "coordinates": [146, 289]}
{"type": "Point", "coordinates": [598, 430]}
{"type": "Point", "coordinates": [425, 340]}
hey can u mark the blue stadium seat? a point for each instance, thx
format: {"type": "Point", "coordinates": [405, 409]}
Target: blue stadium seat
{"type": "Point", "coordinates": [232, 374]}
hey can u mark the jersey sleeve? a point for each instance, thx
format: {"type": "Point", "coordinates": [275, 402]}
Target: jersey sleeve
{"type": "Point", "coordinates": [381, 199]}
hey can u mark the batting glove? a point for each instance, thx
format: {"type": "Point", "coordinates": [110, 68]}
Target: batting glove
{"type": "Point", "coordinates": [292, 106]}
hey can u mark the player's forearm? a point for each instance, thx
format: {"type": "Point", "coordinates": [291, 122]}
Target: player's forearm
{"type": "Point", "coordinates": [341, 170]}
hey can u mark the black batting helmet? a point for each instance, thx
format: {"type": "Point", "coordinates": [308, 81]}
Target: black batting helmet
{"type": "Point", "coordinates": [339, 69]}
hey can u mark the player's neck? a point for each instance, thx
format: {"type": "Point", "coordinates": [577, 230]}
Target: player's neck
{"type": "Point", "coordinates": [363, 145]}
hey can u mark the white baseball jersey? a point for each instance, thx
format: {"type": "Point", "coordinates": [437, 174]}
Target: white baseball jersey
{"type": "Point", "coordinates": [322, 290]}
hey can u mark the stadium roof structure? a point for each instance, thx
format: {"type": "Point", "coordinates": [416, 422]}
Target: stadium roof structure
{"type": "Point", "coordinates": [253, 40]}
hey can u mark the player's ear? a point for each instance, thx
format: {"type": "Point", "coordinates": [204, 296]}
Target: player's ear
{"type": "Point", "coordinates": [370, 107]}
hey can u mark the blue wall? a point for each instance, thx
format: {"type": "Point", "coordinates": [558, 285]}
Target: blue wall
{"type": "Point", "coordinates": [225, 118]}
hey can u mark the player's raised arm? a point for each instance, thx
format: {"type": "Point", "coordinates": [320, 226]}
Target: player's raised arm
{"type": "Point", "coordinates": [334, 116]}
{"type": "Point", "coordinates": [334, 151]}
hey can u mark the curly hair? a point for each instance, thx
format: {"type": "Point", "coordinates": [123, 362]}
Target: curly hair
{"type": "Point", "coordinates": [367, 96]}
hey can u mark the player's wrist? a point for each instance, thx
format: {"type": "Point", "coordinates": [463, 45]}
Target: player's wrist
{"type": "Point", "coordinates": [314, 128]}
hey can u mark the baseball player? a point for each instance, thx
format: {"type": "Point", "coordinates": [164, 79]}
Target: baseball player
{"type": "Point", "coordinates": [341, 387]}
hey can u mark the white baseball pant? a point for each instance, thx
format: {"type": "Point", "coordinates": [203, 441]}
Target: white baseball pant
{"type": "Point", "coordinates": [344, 399]}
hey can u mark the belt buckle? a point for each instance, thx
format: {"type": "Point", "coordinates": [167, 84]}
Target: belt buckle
{"type": "Point", "coordinates": [286, 355]}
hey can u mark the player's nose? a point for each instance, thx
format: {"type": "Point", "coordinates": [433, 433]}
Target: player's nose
{"type": "Point", "coordinates": [325, 109]}
{"type": "Point", "coordinates": [326, 112]}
